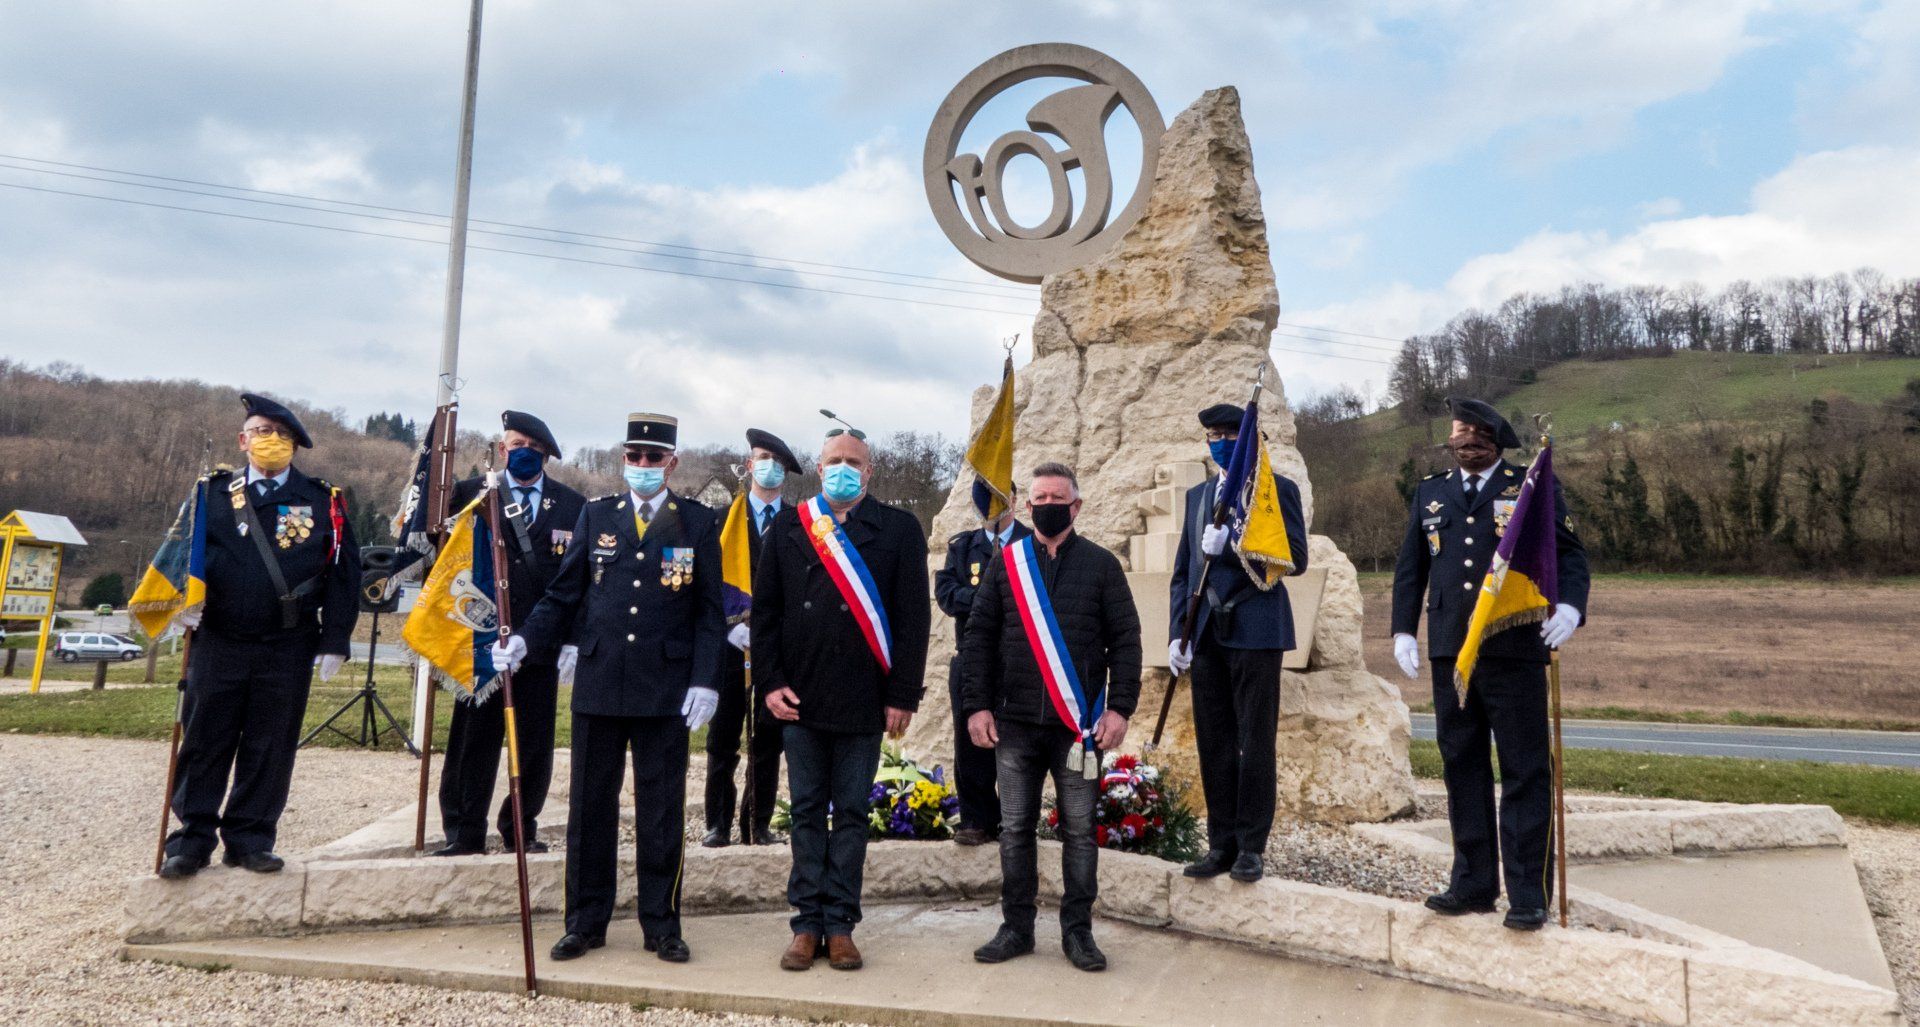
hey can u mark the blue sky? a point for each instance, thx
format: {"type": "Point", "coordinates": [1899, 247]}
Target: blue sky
{"type": "Point", "coordinates": [1415, 158]}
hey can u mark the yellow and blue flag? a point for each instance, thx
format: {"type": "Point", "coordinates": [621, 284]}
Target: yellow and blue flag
{"type": "Point", "coordinates": [1259, 528]}
{"type": "Point", "coordinates": [176, 580]}
{"type": "Point", "coordinates": [736, 560]}
{"type": "Point", "coordinates": [990, 454]}
{"type": "Point", "coordinates": [454, 623]}
{"type": "Point", "coordinates": [1523, 580]}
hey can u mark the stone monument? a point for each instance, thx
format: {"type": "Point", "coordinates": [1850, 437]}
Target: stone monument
{"type": "Point", "coordinates": [1127, 348]}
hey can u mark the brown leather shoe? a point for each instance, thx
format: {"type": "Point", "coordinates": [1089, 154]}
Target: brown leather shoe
{"type": "Point", "coordinates": [799, 955]}
{"type": "Point", "coordinates": [842, 954]}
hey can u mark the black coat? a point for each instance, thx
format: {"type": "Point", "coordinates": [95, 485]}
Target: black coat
{"type": "Point", "coordinates": [1258, 620]}
{"type": "Point", "coordinates": [643, 639]}
{"type": "Point", "coordinates": [968, 554]}
{"type": "Point", "coordinates": [241, 600]}
{"type": "Point", "coordinates": [528, 574]}
{"type": "Point", "coordinates": [805, 637]}
{"type": "Point", "coordinates": [1094, 606]}
{"type": "Point", "coordinates": [733, 662]}
{"type": "Point", "coordinates": [1444, 556]}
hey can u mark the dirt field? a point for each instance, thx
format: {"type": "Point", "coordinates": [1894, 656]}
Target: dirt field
{"type": "Point", "coordinates": [1754, 647]}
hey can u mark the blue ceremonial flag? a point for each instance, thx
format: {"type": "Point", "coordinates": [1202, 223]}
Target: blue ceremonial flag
{"type": "Point", "coordinates": [454, 623]}
{"type": "Point", "coordinates": [414, 549]}
{"type": "Point", "coordinates": [176, 580]}
{"type": "Point", "coordinates": [1259, 528]}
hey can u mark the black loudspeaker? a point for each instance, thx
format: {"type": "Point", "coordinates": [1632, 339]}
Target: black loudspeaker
{"type": "Point", "coordinates": [376, 565]}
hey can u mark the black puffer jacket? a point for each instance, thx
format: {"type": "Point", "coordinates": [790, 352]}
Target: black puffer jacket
{"type": "Point", "coordinates": [1097, 618]}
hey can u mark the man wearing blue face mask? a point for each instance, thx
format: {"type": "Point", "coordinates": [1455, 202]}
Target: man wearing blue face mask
{"type": "Point", "coordinates": [840, 620]}
{"type": "Point", "coordinates": [540, 513]}
{"type": "Point", "coordinates": [639, 593]}
{"type": "Point", "coordinates": [769, 463]}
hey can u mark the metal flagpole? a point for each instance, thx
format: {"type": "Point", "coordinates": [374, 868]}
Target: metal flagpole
{"type": "Point", "coordinates": [440, 478]}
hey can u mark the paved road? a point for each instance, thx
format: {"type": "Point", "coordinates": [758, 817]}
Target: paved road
{"type": "Point", "coordinates": [1883, 748]}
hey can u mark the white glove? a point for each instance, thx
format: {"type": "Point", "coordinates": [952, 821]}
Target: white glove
{"type": "Point", "coordinates": [330, 665]}
{"type": "Point", "coordinates": [699, 707]}
{"type": "Point", "coordinates": [1559, 627]}
{"type": "Point", "coordinates": [569, 658]}
{"type": "Point", "coordinates": [1213, 541]}
{"type": "Point", "coordinates": [190, 619]}
{"type": "Point", "coordinates": [739, 636]}
{"type": "Point", "coordinates": [508, 654]}
{"type": "Point", "coordinates": [1179, 657]}
{"type": "Point", "coordinates": [1406, 651]}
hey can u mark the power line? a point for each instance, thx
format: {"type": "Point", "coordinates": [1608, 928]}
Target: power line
{"type": "Point", "coordinates": [1019, 290]}
{"type": "Point", "coordinates": [523, 253]}
{"type": "Point", "coordinates": [496, 232]}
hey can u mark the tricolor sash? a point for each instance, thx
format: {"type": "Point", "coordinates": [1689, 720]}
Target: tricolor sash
{"type": "Point", "coordinates": [850, 576]}
{"type": "Point", "coordinates": [1050, 652]}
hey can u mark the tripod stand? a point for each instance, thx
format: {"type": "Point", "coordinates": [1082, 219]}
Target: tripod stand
{"type": "Point", "coordinates": [368, 700]}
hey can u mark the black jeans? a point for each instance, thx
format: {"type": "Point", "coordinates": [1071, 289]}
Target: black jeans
{"type": "Point", "coordinates": [472, 759]}
{"type": "Point", "coordinates": [1507, 708]}
{"type": "Point", "coordinates": [723, 758]}
{"type": "Point", "coordinates": [1236, 710]}
{"type": "Point", "coordinates": [1028, 753]}
{"type": "Point", "coordinates": [242, 713]}
{"type": "Point", "coordinates": [600, 750]}
{"type": "Point", "coordinates": [828, 768]}
{"type": "Point", "coordinates": [975, 770]}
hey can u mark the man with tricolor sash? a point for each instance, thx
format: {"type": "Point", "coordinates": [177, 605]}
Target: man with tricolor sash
{"type": "Point", "coordinates": [840, 621]}
{"type": "Point", "coordinates": [1491, 551]}
{"type": "Point", "coordinates": [1242, 627]}
{"type": "Point", "coordinates": [1051, 673]}
{"type": "Point", "coordinates": [639, 593]}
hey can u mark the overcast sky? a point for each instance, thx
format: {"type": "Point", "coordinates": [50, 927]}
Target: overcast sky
{"type": "Point", "coordinates": [1415, 158]}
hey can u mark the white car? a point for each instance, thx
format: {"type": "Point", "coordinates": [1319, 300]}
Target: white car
{"type": "Point", "coordinates": [90, 645]}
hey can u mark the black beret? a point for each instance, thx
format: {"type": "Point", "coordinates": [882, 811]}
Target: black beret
{"type": "Point", "coordinates": [1472, 411]}
{"type": "Point", "coordinates": [532, 427]}
{"type": "Point", "coordinates": [1222, 415]}
{"type": "Point", "coordinates": [760, 438]}
{"type": "Point", "coordinates": [260, 406]}
{"type": "Point", "coordinates": [657, 430]}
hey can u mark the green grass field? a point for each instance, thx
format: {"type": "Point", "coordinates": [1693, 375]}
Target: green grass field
{"type": "Point", "coordinates": [1653, 391]}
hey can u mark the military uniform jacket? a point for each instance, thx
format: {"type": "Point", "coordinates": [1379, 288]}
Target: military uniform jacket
{"type": "Point", "coordinates": [1443, 560]}
{"type": "Point", "coordinates": [646, 613]}
{"type": "Point", "coordinates": [241, 600]}
{"type": "Point", "coordinates": [528, 573]}
{"type": "Point", "coordinates": [1254, 619]}
{"type": "Point", "coordinates": [805, 638]}
{"type": "Point", "coordinates": [969, 554]}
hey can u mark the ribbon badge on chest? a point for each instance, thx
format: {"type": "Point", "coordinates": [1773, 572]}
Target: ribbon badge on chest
{"type": "Point", "coordinates": [294, 525]}
{"type": "Point", "coordinates": [676, 567]}
{"type": "Point", "coordinates": [1502, 513]}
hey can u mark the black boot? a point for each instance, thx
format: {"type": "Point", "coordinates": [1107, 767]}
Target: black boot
{"type": "Point", "coordinates": [1082, 952]}
{"type": "Point", "coordinates": [1006, 944]}
{"type": "Point", "coordinates": [1213, 864]}
{"type": "Point", "coordinates": [573, 946]}
{"type": "Point", "coordinates": [1448, 904]}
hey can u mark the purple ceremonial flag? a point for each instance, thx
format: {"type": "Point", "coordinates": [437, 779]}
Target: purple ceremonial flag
{"type": "Point", "coordinates": [1531, 545]}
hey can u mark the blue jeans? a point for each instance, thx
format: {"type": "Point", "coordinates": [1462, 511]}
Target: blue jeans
{"type": "Point", "coordinates": [1028, 754]}
{"type": "Point", "coordinates": [827, 767]}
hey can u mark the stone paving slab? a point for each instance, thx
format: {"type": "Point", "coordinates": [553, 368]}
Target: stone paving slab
{"type": "Point", "coordinates": [919, 973]}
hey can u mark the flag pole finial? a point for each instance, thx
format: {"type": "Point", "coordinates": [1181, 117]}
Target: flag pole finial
{"type": "Point", "coordinates": [1543, 423]}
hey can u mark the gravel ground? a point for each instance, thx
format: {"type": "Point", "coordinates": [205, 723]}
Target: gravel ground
{"type": "Point", "coordinates": [1889, 862]}
{"type": "Point", "coordinates": [77, 817]}
{"type": "Point", "coordinates": [1338, 858]}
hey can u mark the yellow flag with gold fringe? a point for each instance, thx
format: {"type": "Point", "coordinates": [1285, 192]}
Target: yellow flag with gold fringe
{"type": "Point", "coordinates": [990, 454]}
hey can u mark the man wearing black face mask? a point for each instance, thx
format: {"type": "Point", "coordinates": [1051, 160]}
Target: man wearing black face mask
{"type": "Point", "coordinates": [1047, 708]}
{"type": "Point", "coordinates": [1455, 523]}
{"type": "Point", "coordinates": [539, 517]}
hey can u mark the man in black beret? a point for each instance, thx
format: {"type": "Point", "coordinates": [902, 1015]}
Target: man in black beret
{"type": "Point", "coordinates": [1239, 638]}
{"type": "Point", "coordinates": [770, 461]}
{"type": "Point", "coordinates": [1453, 528]}
{"type": "Point", "coordinates": [283, 586]}
{"type": "Point", "coordinates": [540, 514]}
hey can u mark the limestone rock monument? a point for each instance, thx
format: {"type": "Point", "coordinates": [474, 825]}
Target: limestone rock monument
{"type": "Point", "coordinates": [1126, 350]}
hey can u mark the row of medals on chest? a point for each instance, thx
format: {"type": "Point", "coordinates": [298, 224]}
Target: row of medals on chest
{"type": "Point", "coordinates": [676, 565]}
{"type": "Point", "coordinates": [294, 525]}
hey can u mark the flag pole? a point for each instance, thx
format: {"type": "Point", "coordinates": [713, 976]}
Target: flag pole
{"type": "Point", "coordinates": [1221, 504]}
{"type": "Point", "coordinates": [439, 485]}
{"type": "Point", "coordinates": [1559, 759]}
{"type": "Point", "coordinates": [749, 795]}
{"type": "Point", "coordinates": [503, 614]}
{"type": "Point", "coordinates": [180, 688]}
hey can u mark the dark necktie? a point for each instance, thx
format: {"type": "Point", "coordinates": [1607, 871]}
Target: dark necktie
{"type": "Point", "coordinates": [1472, 488]}
{"type": "Point", "coordinates": [526, 503]}
{"type": "Point", "coordinates": [766, 518]}
{"type": "Point", "coordinates": [646, 513]}
{"type": "Point", "coordinates": [268, 487]}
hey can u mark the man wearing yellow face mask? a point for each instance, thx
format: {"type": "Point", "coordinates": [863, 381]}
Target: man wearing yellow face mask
{"type": "Point", "coordinates": [283, 579]}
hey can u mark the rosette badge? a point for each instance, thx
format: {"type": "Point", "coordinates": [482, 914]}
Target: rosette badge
{"type": "Point", "coordinates": [1065, 131]}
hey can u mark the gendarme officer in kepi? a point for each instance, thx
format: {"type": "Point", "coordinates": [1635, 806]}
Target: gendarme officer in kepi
{"type": "Point", "coordinates": [638, 592]}
{"type": "Point", "coordinates": [283, 586]}
{"type": "Point", "coordinates": [1456, 521]}
{"type": "Point", "coordinates": [540, 514]}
